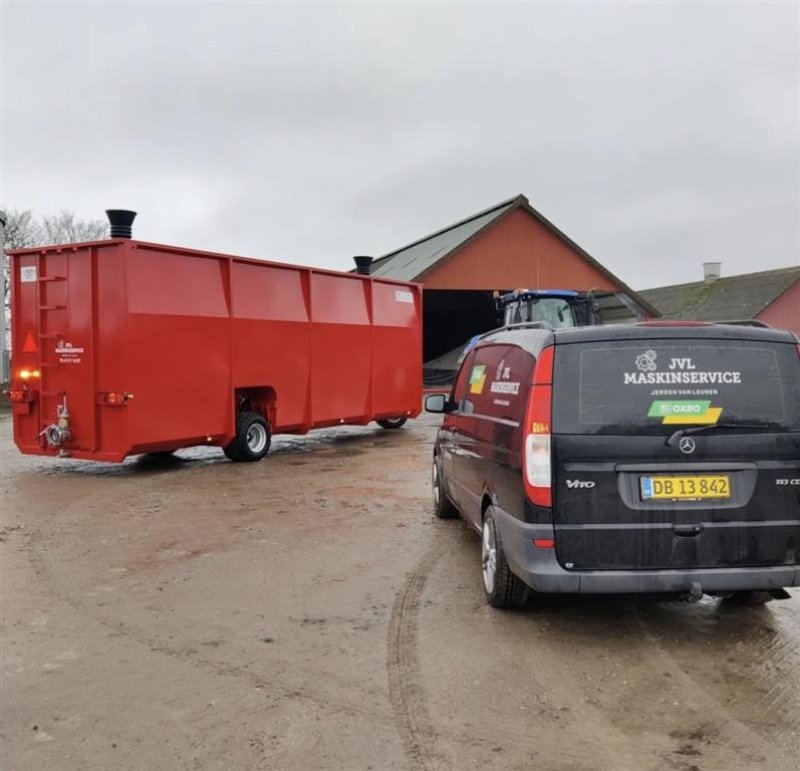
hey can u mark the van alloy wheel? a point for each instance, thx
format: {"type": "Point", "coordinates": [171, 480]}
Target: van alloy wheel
{"type": "Point", "coordinates": [443, 507]}
{"type": "Point", "coordinates": [503, 588]}
{"type": "Point", "coordinates": [489, 555]}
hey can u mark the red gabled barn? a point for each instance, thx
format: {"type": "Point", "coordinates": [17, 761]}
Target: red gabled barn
{"type": "Point", "coordinates": [508, 246]}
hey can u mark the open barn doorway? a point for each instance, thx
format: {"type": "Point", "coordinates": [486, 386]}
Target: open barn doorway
{"type": "Point", "coordinates": [451, 318]}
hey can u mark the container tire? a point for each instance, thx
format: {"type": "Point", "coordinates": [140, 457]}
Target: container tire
{"type": "Point", "coordinates": [443, 507]}
{"type": "Point", "coordinates": [503, 589]}
{"type": "Point", "coordinates": [391, 422]}
{"type": "Point", "coordinates": [159, 455]}
{"type": "Point", "coordinates": [749, 598]}
{"type": "Point", "coordinates": [252, 440]}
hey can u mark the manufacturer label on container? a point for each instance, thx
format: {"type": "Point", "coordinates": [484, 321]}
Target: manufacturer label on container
{"type": "Point", "coordinates": [403, 296]}
{"type": "Point", "coordinates": [27, 274]}
{"type": "Point", "coordinates": [68, 353]}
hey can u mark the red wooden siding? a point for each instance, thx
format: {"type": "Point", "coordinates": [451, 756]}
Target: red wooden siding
{"type": "Point", "coordinates": [517, 251]}
{"type": "Point", "coordinates": [785, 311]}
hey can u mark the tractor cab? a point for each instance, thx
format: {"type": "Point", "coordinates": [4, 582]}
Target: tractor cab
{"type": "Point", "coordinates": [556, 308]}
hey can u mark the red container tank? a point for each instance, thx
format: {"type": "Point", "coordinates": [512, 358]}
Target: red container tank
{"type": "Point", "coordinates": [123, 347]}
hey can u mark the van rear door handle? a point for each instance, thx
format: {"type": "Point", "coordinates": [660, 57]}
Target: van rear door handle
{"type": "Point", "coordinates": [687, 531]}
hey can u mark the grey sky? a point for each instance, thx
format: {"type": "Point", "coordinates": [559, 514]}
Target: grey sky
{"type": "Point", "coordinates": [655, 135]}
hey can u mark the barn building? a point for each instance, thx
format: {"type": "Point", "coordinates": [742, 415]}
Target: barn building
{"type": "Point", "coordinates": [771, 296]}
{"type": "Point", "coordinates": [505, 247]}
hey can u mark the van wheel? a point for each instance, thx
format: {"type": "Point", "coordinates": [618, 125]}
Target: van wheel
{"type": "Point", "coordinates": [252, 439]}
{"type": "Point", "coordinates": [749, 598]}
{"type": "Point", "coordinates": [391, 422]}
{"type": "Point", "coordinates": [503, 589]}
{"type": "Point", "coordinates": [442, 506]}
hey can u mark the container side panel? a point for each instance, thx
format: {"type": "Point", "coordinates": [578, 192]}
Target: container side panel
{"type": "Point", "coordinates": [267, 292]}
{"type": "Point", "coordinates": [178, 367]}
{"type": "Point", "coordinates": [338, 300]}
{"type": "Point", "coordinates": [178, 348]}
{"type": "Point", "coordinates": [271, 337]}
{"type": "Point", "coordinates": [171, 284]}
{"type": "Point", "coordinates": [341, 373]}
{"type": "Point", "coordinates": [397, 350]}
{"type": "Point", "coordinates": [341, 349]}
{"type": "Point", "coordinates": [274, 354]}
{"type": "Point", "coordinates": [111, 350]}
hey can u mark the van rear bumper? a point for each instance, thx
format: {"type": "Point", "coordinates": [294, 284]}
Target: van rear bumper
{"type": "Point", "coordinates": [540, 569]}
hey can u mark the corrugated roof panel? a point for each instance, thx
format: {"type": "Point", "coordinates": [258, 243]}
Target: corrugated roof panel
{"type": "Point", "coordinates": [408, 263]}
{"type": "Point", "coordinates": [733, 297]}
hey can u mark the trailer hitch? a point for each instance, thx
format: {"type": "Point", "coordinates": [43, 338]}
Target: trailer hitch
{"type": "Point", "coordinates": [59, 432]}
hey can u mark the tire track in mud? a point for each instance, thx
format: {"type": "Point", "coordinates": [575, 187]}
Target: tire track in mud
{"type": "Point", "coordinates": [406, 693]}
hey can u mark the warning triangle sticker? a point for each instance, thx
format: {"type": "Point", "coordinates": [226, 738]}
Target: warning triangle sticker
{"type": "Point", "coordinates": [30, 344]}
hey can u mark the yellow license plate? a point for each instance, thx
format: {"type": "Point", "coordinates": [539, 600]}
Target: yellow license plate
{"type": "Point", "coordinates": [685, 488]}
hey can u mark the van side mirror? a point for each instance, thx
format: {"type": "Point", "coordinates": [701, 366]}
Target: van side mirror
{"type": "Point", "coordinates": [435, 403]}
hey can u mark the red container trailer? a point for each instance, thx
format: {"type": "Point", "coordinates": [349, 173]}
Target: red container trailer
{"type": "Point", "coordinates": [123, 347]}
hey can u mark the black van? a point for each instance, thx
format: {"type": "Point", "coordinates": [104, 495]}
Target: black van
{"type": "Point", "coordinates": [657, 457]}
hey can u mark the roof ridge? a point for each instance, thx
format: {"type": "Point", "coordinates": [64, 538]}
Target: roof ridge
{"type": "Point", "coordinates": [771, 271]}
{"type": "Point", "coordinates": [516, 200]}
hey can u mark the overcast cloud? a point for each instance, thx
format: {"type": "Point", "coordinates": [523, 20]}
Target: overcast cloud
{"type": "Point", "coordinates": [656, 135]}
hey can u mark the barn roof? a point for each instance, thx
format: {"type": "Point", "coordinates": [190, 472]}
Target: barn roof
{"type": "Point", "coordinates": [409, 262]}
{"type": "Point", "coordinates": [730, 298]}
{"type": "Point", "coordinates": [412, 262]}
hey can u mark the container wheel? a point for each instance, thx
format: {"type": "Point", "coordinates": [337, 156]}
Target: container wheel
{"type": "Point", "coordinates": [503, 589]}
{"type": "Point", "coordinates": [442, 506]}
{"type": "Point", "coordinates": [252, 439]}
{"type": "Point", "coordinates": [748, 598]}
{"type": "Point", "coordinates": [391, 422]}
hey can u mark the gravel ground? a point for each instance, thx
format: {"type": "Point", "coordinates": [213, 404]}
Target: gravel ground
{"type": "Point", "coordinates": [308, 612]}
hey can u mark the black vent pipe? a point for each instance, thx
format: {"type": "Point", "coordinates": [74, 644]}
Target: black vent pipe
{"type": "Point", "coordinates": [363, 265]}
{"type": "Point", "coordinates": [121, 221]}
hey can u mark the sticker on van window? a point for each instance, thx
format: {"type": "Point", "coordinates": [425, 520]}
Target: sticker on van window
{"type": "Point", "coordinates": [477, 379]}
{"type": "Point", "coordinates": [680, 370]}
{"type": "Point", "coordinates": [685, 411]}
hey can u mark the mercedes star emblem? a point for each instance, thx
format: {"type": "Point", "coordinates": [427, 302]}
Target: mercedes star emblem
{"type": "Point", "coordinates": [687, 445]}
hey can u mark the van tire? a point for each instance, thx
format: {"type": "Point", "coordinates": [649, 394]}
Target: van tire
{"type": "Point", "coordinates": [391, 422]}
{"type": "Point", "coordinates": [502, 588]}
{"type": "Point", "coordinates": [443, 507]}
{"type": "Point", "coordinates": [252, 440]}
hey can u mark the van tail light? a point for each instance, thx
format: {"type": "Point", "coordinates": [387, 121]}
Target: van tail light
{"type": "Point", "coordinates": [536, 452]}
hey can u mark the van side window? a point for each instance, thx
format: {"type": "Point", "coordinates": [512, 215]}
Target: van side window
{"type": "Point", "coordinates": [460, 386]}
{"type": "Point", "coordinates": [498, 382]}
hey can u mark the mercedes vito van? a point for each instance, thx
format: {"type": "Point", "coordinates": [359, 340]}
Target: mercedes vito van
{"type": "Point", "coordinates": [657, 457]}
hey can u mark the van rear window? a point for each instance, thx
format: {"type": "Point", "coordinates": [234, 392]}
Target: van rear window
{"type": "Point", "coordinates": [653, 386]}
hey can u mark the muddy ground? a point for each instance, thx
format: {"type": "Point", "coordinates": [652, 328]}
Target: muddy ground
{"type": "Point", "coordinates": [308, 612]}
